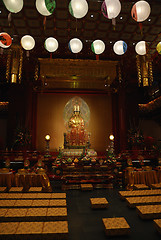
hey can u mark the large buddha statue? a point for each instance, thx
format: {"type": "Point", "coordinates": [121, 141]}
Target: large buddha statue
{"type": "Point", "coordinates": [77, 135]}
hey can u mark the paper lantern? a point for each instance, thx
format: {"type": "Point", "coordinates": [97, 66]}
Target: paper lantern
{"type": "Point", "coordinates": [78, 8]}
{"type": "Point", "coordinates": [120, 47]}
{"type": "Point", "coordinates": [140, 11]}
{"type": "Point", "coordinates": [140, 48]}
{"type": "Point", "coordinates": [13, 6]}
{"type": "Point", "coordinates": [27, 42]}
{"type": "Point", "coordinates": [45, 7]}
{"type": "Point", "coordinates": [5, 40]}
{"type": "Point", "coordinates": [111, 8]}
{"type": "Point", "coordinates": [51, 44]}
{"type": "Point", "coordinates": [159, 47]}
{"type": "Point", "coordinates": [98, 46]}
{"type": "Point", "coordinates": [75, 45]}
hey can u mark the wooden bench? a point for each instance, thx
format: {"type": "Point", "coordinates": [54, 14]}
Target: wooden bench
{"type": "Point", "coordinates": [149, 211]}
{"type": "Point", "coordinates": [156, 185]}
{"type": "Point", "coordinates": [34, 230]}
{"type": "Point", "coordinates": [32, 214]}
{"type": "Point", "coordinates": [124, 194]}
{"type": "Point", "coordinates": [99, 202]}
{"type": "Point", "coordinates": [147, 200]}
{"type": "Point", "coordinates": [116, 226]}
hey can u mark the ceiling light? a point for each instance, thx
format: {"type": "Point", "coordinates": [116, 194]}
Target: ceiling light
{"type": "Point", "coordinates": [140, 11]}
{"type": "Point", "coordinates": [78, 8]}
{"type": "Point", "coordinates": [51, 44]}
{"type": "Point", "coordinates": [91, 15]}
{"type": "Point", "coordinates": [149, 19]}
{"type": "Point", "coordinates": [98, 47]}
{"type": "Point", "coordinates": [75, 45]}
{"type": "Point", "coordinates": [27, 42]}
{"type": "Point", "coordinates": [13, 6]}
{"type": "Point", "coordinates": [120, 47]}
{"type": "Point", "coordinates": [45, 8]}
{"type": "Point", "coordinates": [121, 17]}
{"type": "Point", "coordinates": [111, 8]}
{"type": "Point", "coordinates": [5, 40]}
{"type": "Point", "coordinates": [140, 48]}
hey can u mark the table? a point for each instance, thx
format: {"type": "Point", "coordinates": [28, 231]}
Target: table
{"type": "Point", "coordinates": [140, 177]}
{"type": "Point", "coordinates": [25, 180]}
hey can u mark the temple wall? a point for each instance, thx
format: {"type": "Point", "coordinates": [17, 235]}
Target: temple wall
{"type": "Point", "coordinates": [50, 107]}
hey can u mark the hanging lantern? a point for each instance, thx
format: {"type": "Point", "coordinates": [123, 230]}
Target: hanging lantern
{"type": "Point", "coordinates": [27, 42]}
{"type": "Point", "coordinates": [75, 45]}
{"type": "Point", "coordinates": [159, 47]}
{"type": "Point", "coordinates": [140, 11]}
{"type": "Point", "coordinates": [111, 8]}
{"type": "Point", "coordinates": [5, 40]}
{"type": "Point", "coordinates": [140, 48]}
{"type": "Point", "coordinates": [120, 47]}
{"type": "Point", "coordinates": [13, 6]}
{"type": "Point", "coordinates": [51, 44]}
{"type": "Point", "coordinates": [98, 47]}
{"type": "Point", "coordinates": [78, 8]}
{"type": "Point", "coordinates": [45, 7]}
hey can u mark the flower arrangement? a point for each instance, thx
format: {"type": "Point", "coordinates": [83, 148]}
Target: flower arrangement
{"type": "Point", "coordinates": [22, 138]}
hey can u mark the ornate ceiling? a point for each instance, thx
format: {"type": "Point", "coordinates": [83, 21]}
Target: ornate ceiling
{"type": "Point", "coordinates": [63, 26]}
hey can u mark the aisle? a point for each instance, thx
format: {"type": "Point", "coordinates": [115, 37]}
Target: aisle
{"type": "Point", "coordinates": [86, 224]}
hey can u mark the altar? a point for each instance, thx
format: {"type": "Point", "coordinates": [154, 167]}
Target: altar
{"type": "Point", "coordinates": [77, 138]}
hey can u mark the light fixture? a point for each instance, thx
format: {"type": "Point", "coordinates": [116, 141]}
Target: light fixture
{"type": "Point", "coordinates": [27, 42]}
{"type": "Point", "coordinates": [140, 48]}
{"type": "Point", "coordinates": [47, 139]}
{"type": "Point", "coordinates": [120, 47]}
{"type": "Point", "coordinates": [45, 8]}
{"type": "Point", "coordinates": [75, 45]}
{"type": "Point", "coordinates": [111, 8]}
{"type": "Point", "coordinates": [51, 44]}
{"type": "Point", "coordinates": [98, 47]}
{"type": "Point", "coordinates": [5, 40]}
{"type": "Point", "coordinates": [13, 6]}
{"type": "Point", "coordinates": [159, 47]}
{"type": "Point", "coordinates": [140, 11]}
{"type": "Point", "coordinates": [78, 8]}
{"type": "Point", "coordinates": [111, 137]}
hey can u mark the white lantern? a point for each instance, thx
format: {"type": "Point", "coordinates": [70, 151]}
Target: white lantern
{"type": "Point", "coordinates": [5, 40]}
{"type": "Point", "coordinates": [78, 8]}
{"type": "Point", "coordinates": [46, 8]}
{"type": "Point", "coordinates": [140, 48]}
{"type": "Point", "coordinates": [120, 47]}
{"type": "Point", "coordinates": [140, 11]}
{"type": "Point", "coordinates": [111, 8]}
{"type": "Point", "coordinates": [75, 45]}
{"type": "Point", "coordinates": [51, 44]}
{"type": "Point", "coordinates": [98, 46]}
{"type": "Point", "coordinates": [27, 42]}
{"type": "Point", "coordinates": [13, 6]}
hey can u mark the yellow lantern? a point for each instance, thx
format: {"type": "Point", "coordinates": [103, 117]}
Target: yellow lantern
{"type": "Point", "coordinates": [159, 47]}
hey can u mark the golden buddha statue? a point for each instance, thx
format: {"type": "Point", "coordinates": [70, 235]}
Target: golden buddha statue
{"type": "Point", "coordinates": [77, 135]}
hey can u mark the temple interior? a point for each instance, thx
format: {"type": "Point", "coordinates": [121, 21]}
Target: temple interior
{"type": "Point", "coordinates": [80, 119]}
